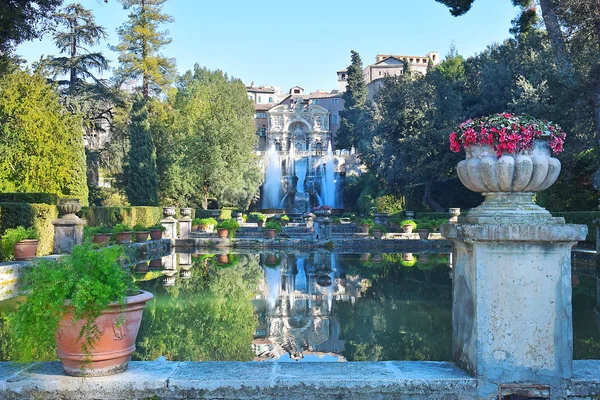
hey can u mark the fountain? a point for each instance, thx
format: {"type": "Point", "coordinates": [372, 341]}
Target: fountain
{"type": "Point", "coordinates": [272, 185]}
{"type": "Point", "coordinates": [328, 179]}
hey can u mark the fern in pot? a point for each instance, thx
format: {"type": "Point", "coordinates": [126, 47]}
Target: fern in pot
{"type": "Point", "coordinates": [83, 308]}
{"type": "Point", "coordinates": [19, 243]}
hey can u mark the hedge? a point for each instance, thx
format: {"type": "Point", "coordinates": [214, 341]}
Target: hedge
{"type": "Point", "coordinates": [30, 198]}
{"type": "Point", "coordinates": [39, 216]}
{"type": "Point", "coordinates": [131, 216]}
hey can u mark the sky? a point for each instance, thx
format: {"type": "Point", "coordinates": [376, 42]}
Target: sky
{"type": "Point", "coordinates": [303, 42]}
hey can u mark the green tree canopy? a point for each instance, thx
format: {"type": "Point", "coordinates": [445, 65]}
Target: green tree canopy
{"type": "Point", "coordinates": [141, 43]}
{"type": "Point", "coordinates": [40, 142]}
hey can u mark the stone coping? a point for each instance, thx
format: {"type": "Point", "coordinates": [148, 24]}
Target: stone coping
{"type": "Point", "coordinates": [264, 380]}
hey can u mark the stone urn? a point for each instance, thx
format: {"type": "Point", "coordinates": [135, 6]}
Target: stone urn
{"type": "Point", "coordinates": [454, 213]}
{"type": "Point", "coordinates": [68, 208]}
{"type": "Point", "coordinates": [185, 212]}
{"type": "Point", "coordinates": [423, 234]}
{"type": "Point", "coordinates": [377, 233]}
{"type": "Point", "coordinates": [508, 183]}
{"type": "Point", "coordinates": [169, 212]}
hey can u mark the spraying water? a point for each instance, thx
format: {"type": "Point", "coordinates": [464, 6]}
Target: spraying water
{"type": "Point", "coordinates": [301, 167]}
{"type": "Point", "coordinates": [328, 180]}
{"type": "Point", "coordinates": [292, 160]}
{"type": "Point", "coordinates": [272, 186]}
{"type": "Point", "coordinates": [273, 278]}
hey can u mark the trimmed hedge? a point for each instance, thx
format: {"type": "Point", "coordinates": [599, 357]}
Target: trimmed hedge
{"type": "Point", "coordinates": [432, 215]}
{"type": "Point", "coordinates": [144, 215]}
{"type": "Point", "coordinates": [39, 216]}
{"type": "Point", "coordinates": [30, 198]}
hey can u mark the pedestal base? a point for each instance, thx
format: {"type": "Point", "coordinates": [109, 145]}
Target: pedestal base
{"type": "Point", "coordinates": [511, 306]}
{"type": "Point", "coordinates": [68, 232]}
{"type": "Point", "coordinates": [185, 227]}
{"type": "Point", "coordinates": [170, 225]}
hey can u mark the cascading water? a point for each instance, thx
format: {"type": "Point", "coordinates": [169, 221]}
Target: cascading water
{"type": "Point", "coordinates": [273, 278]}
{"type": "Point", "coordinates": [301, 167]}
{"type": "Point", "coordinates": [272, 185]}
{"type": "Point", "coordinates": [292, 160]}
{"type": "Point", "coordinates": [301, 283]}
{"type": "Point", "coordinates": [328, 180]}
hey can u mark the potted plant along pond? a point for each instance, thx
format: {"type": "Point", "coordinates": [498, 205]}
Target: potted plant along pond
{"type": "Point", "coordinates": [90, 320]}
{"type": "Point", "coordinates": [156, 231]}
{"type": "Point", "coordinates": [365, 224]}
{"type": "Point", "coordinates": [207, 224]}
{"type": "Point", "coordinates": [227, 228]}
{"type": "Point", "coordinates": [100, 234]}
{"type": "Point", "coordinates": [285, 220]}
{"type": "Point", "coordinates": [424, 229]}
{"type": "Point", "coordinates": [195, 224]}
{"type": "Point", "coordinates": [141, 233]}
{"type": "Point", "coordinates": [19, 243]}
{"type": "Point", "coordinates": [272, 228]}
{"type": "Point", "coordinates": [122, 233]}
{"type": "Point", "coordinates": [260, 219]}
{"type": "Point", "coordinates": [377, 231]}
{"type": "Point", "coordinates": [408, 225]}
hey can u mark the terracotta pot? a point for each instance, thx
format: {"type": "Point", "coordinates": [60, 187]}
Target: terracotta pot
{"type": "Point", "coordinates": [222, 233]}
{"type": "Point", "coordinates": [260, 224]}
{"type": "Point", "coordinates": [194, 228]}
{"type": "Point", "coordinates": [365, 228]}
{"type": "Point", "coordinates": [25, 249]}
{"type": "Point", "coordinates": [101, 238]}
{"type": "Point", "coordinates": [123, 237]}
{"type": "Point", "coordinates": [155, 234]}
{"type": "Point", "coordinates": [223, 258]}
{"type": "Point", "coordinates": [407, 256]}
{"type": "Point", "coordinates": [423, 234]}
{"type": "Point", "coordinates": [141, 236]}
{"type": "Point", "coordinates": [407, 228]}
{"type": "Point", "coordinates": [112, 350]}
{"type": "Point", "coordinates": [377, 233]}
{"type": "Point", "coordinates": [270, 233]}
{"type": "Point", "coordinates": [377, 258]}
{"type": "Point", "coordinates": [156, 263]}
{"type": "Point", "coordinates": [141, 267]}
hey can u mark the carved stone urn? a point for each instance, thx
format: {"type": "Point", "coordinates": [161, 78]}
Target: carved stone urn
{"type": "Point", "coordinates": [508, 183]}
{"type": "Point", "coordinates": [68, 208]}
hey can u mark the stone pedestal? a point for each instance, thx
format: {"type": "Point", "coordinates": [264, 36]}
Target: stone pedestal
{"type": "Point", "coordinates": [169, 222]}
{"type": "Point", "coordinates": [185, 223]}
{"type": "Point", "coordinates": [512, 308]}
{"type": "Point", "coordinates": [322, 228]}
{"type": "Point", "coordinates": [68, 229]}
{"type": "Point", "coordinates": [454, 213]}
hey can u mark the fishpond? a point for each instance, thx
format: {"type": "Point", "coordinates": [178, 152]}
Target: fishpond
{"type": "Point", "coordinates": [319, 306]}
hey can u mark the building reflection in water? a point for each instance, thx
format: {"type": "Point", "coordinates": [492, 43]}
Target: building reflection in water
{"type": "Point", "coordinates": [295, 307]}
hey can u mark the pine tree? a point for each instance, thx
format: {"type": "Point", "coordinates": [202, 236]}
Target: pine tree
{"type": "Point", "coordinates": [81, 31]}
{"type": "Point", "coordinates": [355, 98]}
{"type": "Point", "coordinates": [141, 179]}
{"type": "Point", "coordinates": [140, 46]}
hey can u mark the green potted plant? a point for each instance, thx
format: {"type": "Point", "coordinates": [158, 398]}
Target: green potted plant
{"type": "Point", "coordinates": [408, 260]}
{"type": "Point", "coordinates": [424, 229]}
{"type": "Point", "coordinates": [90, 319]}
{"type": "Point", "coordinates": [156, 231]}
{"type": "Point", "coordinates": [365, 224]}
{"type": "Point", "coordinates": [408, 225]}
{"type": "Point", "coordinates": [141, 233]}
{"type": "Point", "coordinates": [336, 220]}
{"type": "Point", "coordinates": [195, 224]}
{"type": "Point", "coordinates": [272, 228]}
{"type": "Point", "coordinates": [207, 224]}
{"type": "Point", "coordinates": [227, 228]}
{"type": "Point", "coordinates": [19, 243]}
{"type": "Point", "coordinates": [100, 234]}
{"type": "Point", "coordinates": [261, 219]}
{"type": "Point", "coordinates": [122, 233]}
{"type": "Point", "coordinates": [377, 231]}
{"type": "Point", "coordinates": [285, 220]}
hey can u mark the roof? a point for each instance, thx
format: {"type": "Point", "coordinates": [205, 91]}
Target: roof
{"type": "Point", "coordinates": [260, 89]}
{"type": "Point", "coordinates": [321, 95]}
{"type": "Point", "coordinates": [343, 70]}
{"type": "Point", "coordinates": [397, 57]}
{"type": "Point", "coordinates": [264, 107]}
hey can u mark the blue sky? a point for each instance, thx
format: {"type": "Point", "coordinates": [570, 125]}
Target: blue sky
{"type": "Point", "coordinates": [304, 42]}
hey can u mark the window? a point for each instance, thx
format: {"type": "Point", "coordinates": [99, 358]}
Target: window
{"type": "Point", "coordinates": [379, 73]}
{"type": "Point", "coordinates": [263, 131]}
{"type": "Point", "coordinates": [295, 91]}
{"type": "Point", "coordinates": [316, 101]}
{"type": "Point", "coordinates": [270, 99]}
{"type": "Point", "coordinates": [264, 115]}
{"type": "Point", "coordinates": [343, 76]}
{"type": "Point", "coordinates": [335, 101]}
{"type": "Point", "coordinates": [257, 115]}
{"type": "Point", "coordinates": [334, 119]}
{"type": "Point", "coordinates": [250, 97]}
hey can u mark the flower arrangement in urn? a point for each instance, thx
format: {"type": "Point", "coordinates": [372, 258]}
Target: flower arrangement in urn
{"type": "Point", "coordinates": [507, 133]}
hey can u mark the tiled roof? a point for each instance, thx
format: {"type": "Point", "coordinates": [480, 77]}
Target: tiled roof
{"type": "Point", "coordinates": [260, 89]}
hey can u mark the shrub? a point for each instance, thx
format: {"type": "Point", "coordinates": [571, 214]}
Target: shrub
{"type": "Point", "coordinates": [336, 220]}
{"type": "Point", "coordinates": [426, 225]}
{"type": "Point", "coordinates": [273, 225]}
{"type": "Point", "coordinates": [12, 236]}
{"type": "Point", "coordinates": [139, 228]}
{"type": "Point", "coordinates": [224, 214]}
{"type": "Point", "coordinates": [366, 221]}
{"type": "Point", "coordinates": [29, 198]}
{"type": "Point", "coordinates": [256, 216]}
{"type": "Point", "coordinates": [389, 204]}
{"type": "Point", "coordinates": [382, 228]}
{"type": "Point", "coordinates": [208, 222]}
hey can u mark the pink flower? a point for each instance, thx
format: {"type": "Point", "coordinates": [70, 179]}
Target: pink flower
{"type": "Point", "coordinates": [454, 143]}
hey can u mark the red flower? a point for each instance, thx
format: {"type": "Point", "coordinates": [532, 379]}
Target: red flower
{"type": "Point", "coordinates": [454, 143]}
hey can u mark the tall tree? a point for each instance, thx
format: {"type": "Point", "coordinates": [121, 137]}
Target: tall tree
{"type": "Point", "coordinates": [22, 20]}
{"type": "Point", "coordinates": [141, 43]}
{"type": "Point", "coordinates": [141, 179]}
{"type": "Point", "coordinates": [214, 119]}
{"type": "Point", "coordinates": [352, 125]}
{"type": "Point", "coordinates": [80, 31]}
{"type": "Point", "coordinates": [40, 142]}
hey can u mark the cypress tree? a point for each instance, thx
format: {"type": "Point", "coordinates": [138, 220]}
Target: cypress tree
{"type": "Point", "coordinates": [141, 179]}
{"type": "Point", "coordinates": [355, 99]}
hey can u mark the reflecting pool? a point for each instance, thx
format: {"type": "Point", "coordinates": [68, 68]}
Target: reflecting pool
{"type": "Point", "coordinates": [319, 306]}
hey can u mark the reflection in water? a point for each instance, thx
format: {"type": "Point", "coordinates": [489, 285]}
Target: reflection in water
{"type": "Point", "coordinates": [311, 307]}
